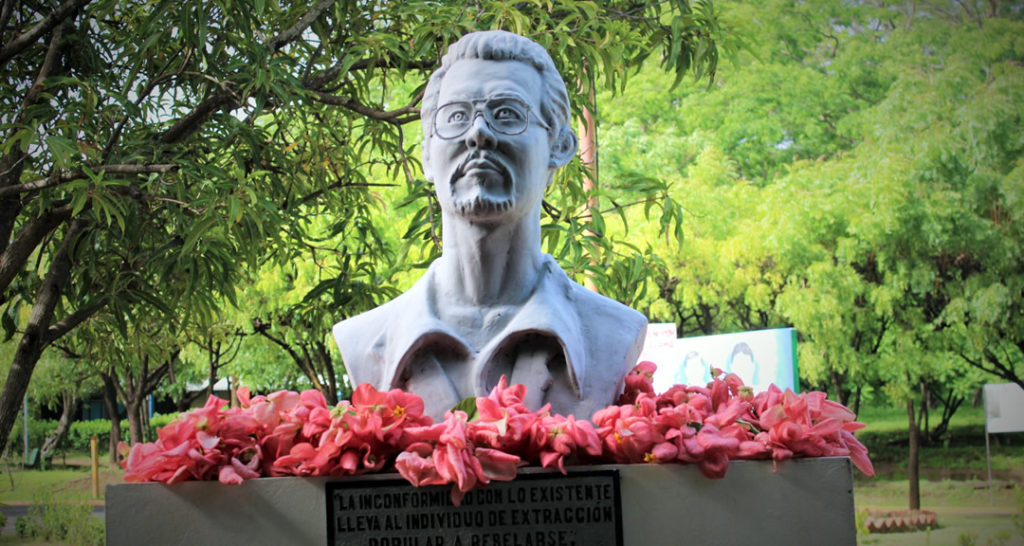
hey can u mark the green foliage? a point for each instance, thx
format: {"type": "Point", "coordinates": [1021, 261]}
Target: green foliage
{"type": "Point", "coordinates": [67, 522]}
{"type": "Point", "coordinates": [861, 519]}
{"type": "Point", "coordinates": [77, 438]}
{"type": "Point", "coordinates": [850, 176]}
{"type": "Point", "coordinates": [171, 153]}
{"type": "Point", "coordinates": [855, 172]}
{"type": "Point", "coordinates": [38, 430]}
{"type": "Point", "coordinates": [80, 432]}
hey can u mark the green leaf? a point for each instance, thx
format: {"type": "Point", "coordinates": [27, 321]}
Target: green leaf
{"type": "Point", "coordinates": [467, 405]}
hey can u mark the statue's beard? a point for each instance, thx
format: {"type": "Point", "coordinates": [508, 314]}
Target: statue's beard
{"type": "Point", "coordinates": [481, 187]}
{"type": "Point", "coordinates": [481, 206]}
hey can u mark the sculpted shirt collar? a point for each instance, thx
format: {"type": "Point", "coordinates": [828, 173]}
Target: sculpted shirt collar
{"type": "Point", "coordinates": [536, 316]}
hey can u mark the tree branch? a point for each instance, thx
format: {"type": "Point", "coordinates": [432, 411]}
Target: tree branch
{"type": "Point", "coordinates": [321, 79]}
{"type": "Point", "coordinates": [116, 134]}
{"type": "Point", "coordinates": [980, 365]}
{"type": "Point", "coordinates": [13, 163]}
{"type": "Point", "coordinates": [63, 177]}
{"type": "Point", "coordinates": [198, 116]}
{"type": "Point", "coordinates": [151, 380]}
{"type": "Point", "coordinates": [393, 116]}
{"type": "Point", "coordinates": [67, 323]}
{"type": "Point", "coordinates": [112, 379]}
{"type": "Point", "coordinates": [339, 184]}
{"type": "Point", "coordinates": [261, 327]}
{"type": "Point", "coordinates": [44, 71]}
{"type": "Point", "coordinates": [202, 112]}
{"type": "Point", "coordinates": [5, 15]}
{"type": "Point", "coordinates": [18, 44]}
{"type": "Point", "coordinates": [296, 30]}
{"type": "Point", "coordinates": [35, 230]}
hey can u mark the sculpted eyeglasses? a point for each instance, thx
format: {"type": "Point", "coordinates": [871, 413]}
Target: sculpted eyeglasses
{"type": "Point", "coordinates": [508, 116]}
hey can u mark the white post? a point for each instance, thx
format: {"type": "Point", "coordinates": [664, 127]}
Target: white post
{"type": "Point", "coordinates": [988, 459]}
{"type": "Point", "coordinates": [24, 423]}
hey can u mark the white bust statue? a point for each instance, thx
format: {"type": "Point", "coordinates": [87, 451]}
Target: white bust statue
{"type": "Point", "coordinates": [496, 124]}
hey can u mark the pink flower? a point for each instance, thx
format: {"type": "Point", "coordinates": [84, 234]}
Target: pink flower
{"type": "Point", "coordinates": [297, 434]}
{"type": "Point", "coordinates": [639, 380]}
{"type": "Point", "coordinates": [453, 458]}
{"type": "Point", "coordinates": [416, 465]}
{"type": "Point", "coordinates": [556, 438]}
{"type": "Point", "coordinates": [496, 465]}
{"type": "Point", "coordinates": [503, 421]}
{"type": "Point", "coordinates": [628, 434]}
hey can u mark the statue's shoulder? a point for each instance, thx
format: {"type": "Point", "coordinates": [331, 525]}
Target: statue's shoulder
{"type": "Point", "coordinates": [363, 339]}
{"type": "Point", "coordinates": [612, 335]}
{"type": "Point", "coordinates": [597, 307]}
{"type": "Point", "coordinates": [363, 327]}
{"type": "Point", "coordinates": [602, 317]}
{"type": "Point", "coordinates": [367, 326]}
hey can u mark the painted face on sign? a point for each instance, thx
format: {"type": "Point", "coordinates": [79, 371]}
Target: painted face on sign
{"type": "Point", "coordinates": [743, 366]}
{"type": "Point", "coordinates": [489, 155]}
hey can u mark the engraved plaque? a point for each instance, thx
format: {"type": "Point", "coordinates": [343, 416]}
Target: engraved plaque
{"type": "Point", "coordinates": [579, 509]}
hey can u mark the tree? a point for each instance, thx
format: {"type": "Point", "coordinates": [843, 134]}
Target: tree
{"type": "Point", "coordinates": [878, 150]}
{"type": "Point", "coordinates": [146, 142]}
{"type": "Point", "coordinates": [62, 380]}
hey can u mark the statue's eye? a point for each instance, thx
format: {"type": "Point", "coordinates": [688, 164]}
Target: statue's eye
{"type": "Point", "coordinates": [507, 113]}
{"type": "Point", "coordinates": [457, 116]}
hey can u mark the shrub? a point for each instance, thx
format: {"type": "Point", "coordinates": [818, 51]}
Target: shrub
{"type": "Point", "coordinates": [81, 431]}
{"type": "Point", "coordinates": [25, 527]}
{"type": "Point", "coordinates": [77, 437]}
{"type": "Point", "coordinates": [66, 522]}
{"type": "Point", "coordinates": [38, 430]}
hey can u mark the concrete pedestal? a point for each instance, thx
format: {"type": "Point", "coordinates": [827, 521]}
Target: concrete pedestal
{"type": "Point", "coordinates": [806, 501]}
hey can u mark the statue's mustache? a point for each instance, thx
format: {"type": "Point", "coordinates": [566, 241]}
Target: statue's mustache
{"type": "Point", "coordinates": [480, 160]}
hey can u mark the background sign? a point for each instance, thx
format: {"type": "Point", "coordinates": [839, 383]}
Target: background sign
{"type": "Point", "coordinates": [660, 345]}
{"type": "Point", "coordinates": [581, 509]}
{"type": "Point", "coordinates": [1004, 408]}
{"type": "Point", "coordinates": [759, 357]}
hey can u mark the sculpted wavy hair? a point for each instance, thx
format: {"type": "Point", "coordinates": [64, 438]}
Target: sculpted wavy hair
{"type": "Point", "coordinates": [499, 45]}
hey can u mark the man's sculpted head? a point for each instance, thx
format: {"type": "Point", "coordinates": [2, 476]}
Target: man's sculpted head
{"type": "Point", "coordinates": [484, 168]}
{"type": "Point", "coordinates": [499, 45]}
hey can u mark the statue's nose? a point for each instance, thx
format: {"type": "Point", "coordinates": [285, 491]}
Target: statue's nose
{"type": "Point", "coordinates": [480, 134]}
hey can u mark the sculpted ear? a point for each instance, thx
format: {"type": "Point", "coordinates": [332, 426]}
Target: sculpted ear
{"type": "Point", "coordinates": [563, 148]}
{"type": "Point", "coordinates": [425, 163]}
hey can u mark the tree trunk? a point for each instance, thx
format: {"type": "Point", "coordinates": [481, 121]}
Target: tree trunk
{"type": "Point", "coordinates": [588, 156]}
{"type": "Point", "coordinates": [134, 421]}
{"type": "Point", "coordinates": [36, 335]}
{"type": "Point", "coordinates": [926, 401]}
{"type": "Point", "coordinates": [912, 462]}
{"type": "Point", "coordinates": [69, 398]}
{"type": "Point", "coordinates": [110, 402]}
{"type": "Point", "coordinates": [327, 365]}
{"type": "Point", "coordinates": [233, 390]}
{"type": "Point", "coordinates": [144, 418]}
{"type": "Point", "coordinates": [837, 386]}
{"type": "Point", "coordinates": [856, 400]}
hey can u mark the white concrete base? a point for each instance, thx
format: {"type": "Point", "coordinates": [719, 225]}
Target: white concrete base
{"type": "Point", "coordinates": [807, 501]}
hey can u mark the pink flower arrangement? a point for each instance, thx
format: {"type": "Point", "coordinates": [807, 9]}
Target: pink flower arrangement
{"type": "Point", "coordinates": [297, 434]}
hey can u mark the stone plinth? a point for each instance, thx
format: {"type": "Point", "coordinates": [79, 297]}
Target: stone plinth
{"type": "Point", "coordinates": [807, 501]}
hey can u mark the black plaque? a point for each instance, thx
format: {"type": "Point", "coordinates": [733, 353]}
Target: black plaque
{"type": "Point", "coordinates": [580, 509]}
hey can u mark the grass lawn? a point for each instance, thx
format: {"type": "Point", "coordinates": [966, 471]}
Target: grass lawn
{"type": "Point", "coordinates": [72, 482]}
{"type": "Point", "coordinates": [953, 481]}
